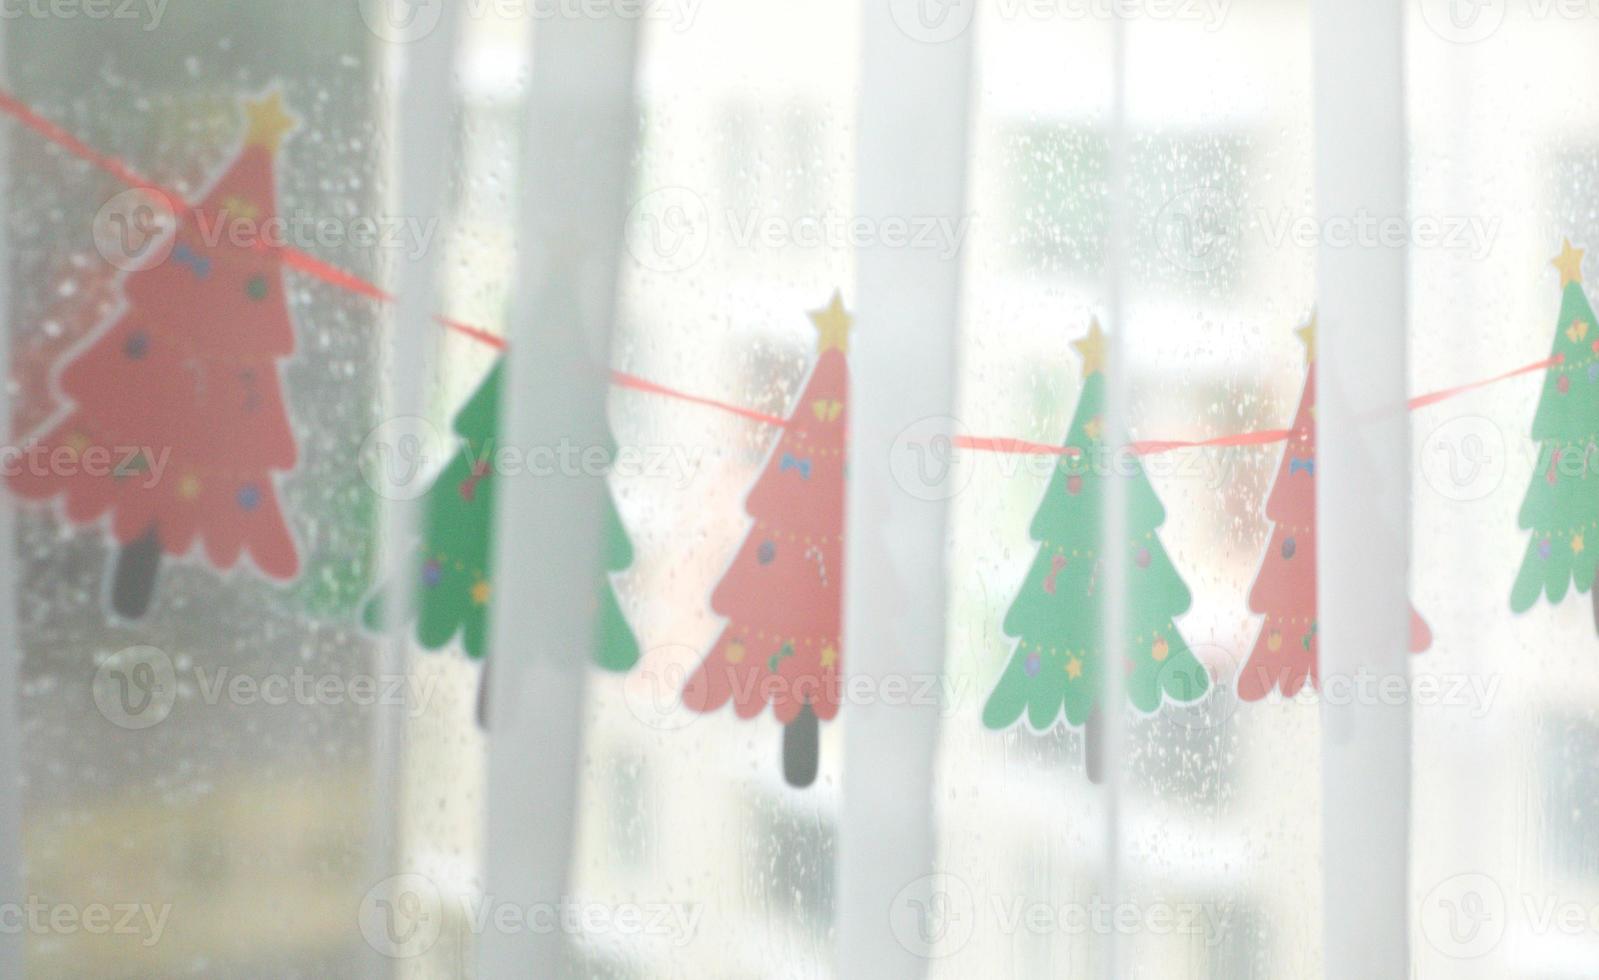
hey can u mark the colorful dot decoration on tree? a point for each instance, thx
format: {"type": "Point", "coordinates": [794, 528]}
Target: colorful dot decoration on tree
{"type": "Point", "coordinates": [137, 346]}
{"type": "Point", "coordinates": [249, 496]}
{"type": "Point", "coordinates": [1142, 558]}
{"type": "Point", "coordinates": [784, 652]}
{"type": "Point", "coordinates": [767, 553]}
{"type": "Point", "coordinates": [432, 573]}
{"type": "Point", "coordinates": [133, 465]}
{"type": "Point", "coordinates": [1289, 547]}
{"type": "Point", "coordinates": [257, 288]}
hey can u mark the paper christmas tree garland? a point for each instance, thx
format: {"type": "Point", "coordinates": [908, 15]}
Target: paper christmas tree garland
{"type": "Point", "coordinates": [185, 373]}
{"type": "Point", "coordinates": [455, 588]}
{"type": "Point", "coordinates": [1286, 652]}
{"type": "Point", "coordinates": [1055, 670]}
{"type": "Point", "coordinates": [783, 593]}
{"type": "Point", "coordinates": [1561, 508]}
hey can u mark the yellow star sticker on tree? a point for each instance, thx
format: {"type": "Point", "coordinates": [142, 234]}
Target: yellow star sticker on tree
{"type": "Point", "coordinates": [829, 656]}
{"type": "Point", "coordinates": [1074, 668]}
{"type": "Point", "coordinates": [238, 207]}
{"type": "Point", "coordinates": [1094, 428]}
{"type": "Point", "coordinates": [1577, 331]}
{"type": "Point", "coordinates": [1569, 262]}
{"type": "Point", "coordinates": [268, 122]}
{"type": "Point", "coordinates": [1092, 349]}
{"type": "Point", "coordinates": [832, 325]}
{"type": "Point", "coordinates": [189, 487]}
{"type": "Point", "coordinates": [1307, 336]}
{"type": "Point", "coordinates": [1576, 544]}
{"type": "Point", "coordinates": [481, 593]}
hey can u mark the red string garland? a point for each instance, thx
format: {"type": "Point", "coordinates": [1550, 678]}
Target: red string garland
{"type": "Point", "coordinates": [310, 265]}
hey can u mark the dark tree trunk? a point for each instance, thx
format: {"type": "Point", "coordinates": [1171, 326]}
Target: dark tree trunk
{"type": "Point", "coordinates": [483, 697]}
{"type": "Point", "coordinates": [1094, 747]}
{"type": "Point", "coordinates": [133, 578]}
{"type": "Point", "coordinates": [801, 751]}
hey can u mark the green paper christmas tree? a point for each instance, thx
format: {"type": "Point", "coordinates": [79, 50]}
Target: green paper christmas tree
{"type": "Point", "coordinates": [456, 555]}
{"type": "Point", "coordinates": [1561, 508]}
{"type": "Point", "coordinates": [1056, 668]}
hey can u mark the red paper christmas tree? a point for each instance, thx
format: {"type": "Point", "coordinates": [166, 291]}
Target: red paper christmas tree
{"type": "Point", "coordinates": [1286, 651]}
{"type": "Point", "coordinates": [782, 595]}
{"type": "Point", "coordinates": [181, 391]}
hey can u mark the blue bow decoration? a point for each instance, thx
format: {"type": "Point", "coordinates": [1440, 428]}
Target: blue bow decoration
{"type": "Point", "coordinates": [791, 463]}
{"type": "Point", "coordinates": [1300, 463]}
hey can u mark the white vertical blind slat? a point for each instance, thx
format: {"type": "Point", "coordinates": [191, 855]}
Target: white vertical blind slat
{"type": "Point", "coordinates": [424, 71]}
{"type": "Point", "coordinates": [1363, 497]}
{"type": "Point", "coordinates": [11, 787]}
{"type": "Point", "coordinates": [579, 125]}
{"type": "Point", "coordinates": [912, 165]}
{"type": "Point", "coordinates": [1113, 545]}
